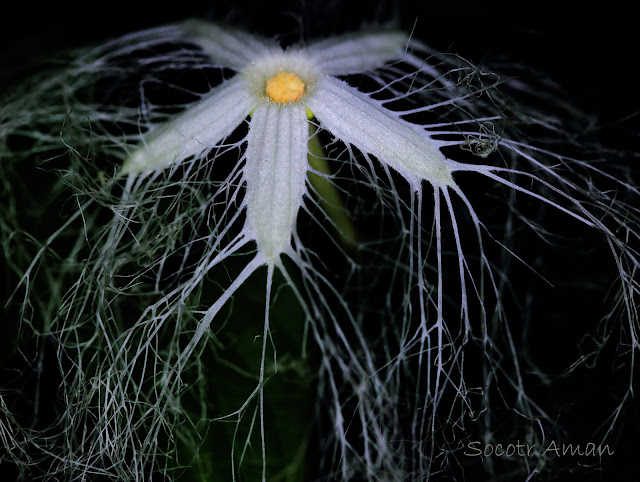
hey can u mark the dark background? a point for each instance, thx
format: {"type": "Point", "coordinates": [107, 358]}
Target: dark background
{"type": "Point", "coordinates": [590, 52]}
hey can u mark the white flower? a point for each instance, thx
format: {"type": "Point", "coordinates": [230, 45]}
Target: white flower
{"type": "Point", "coordinates": [132, 302]}
{"type": "Point", "coordinates": [282, 89]}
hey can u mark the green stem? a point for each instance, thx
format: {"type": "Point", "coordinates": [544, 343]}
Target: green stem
{"type": "Point", "coordinates": [329, 196]}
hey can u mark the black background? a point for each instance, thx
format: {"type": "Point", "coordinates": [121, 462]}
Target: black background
{"type": "Point", "coordinates": [590, 51]}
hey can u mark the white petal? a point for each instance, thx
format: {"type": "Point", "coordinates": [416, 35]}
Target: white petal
{"type": "Point", "coordinates": [197, 129]}
{"type": "Point", "coordinates": [355, 118]}
{"type": "Point", "coordinates": [354, 53]}
{"type": "Point", "coordinates": [227, 46]}
{"type": "Point", "coordinates": [275, 174]}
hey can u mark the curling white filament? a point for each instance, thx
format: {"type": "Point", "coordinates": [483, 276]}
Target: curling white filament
{"type": "Point", "coordinates": [280, 97]}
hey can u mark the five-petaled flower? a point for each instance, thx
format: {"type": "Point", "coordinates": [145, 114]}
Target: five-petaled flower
{"type": "Point", "coordinates": [282, 89]}
{"type": "Point", "coordinates": [153, 189]}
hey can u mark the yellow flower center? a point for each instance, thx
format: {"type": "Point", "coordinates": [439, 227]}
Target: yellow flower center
{"type": "Point", "coordinates": [285, 87]}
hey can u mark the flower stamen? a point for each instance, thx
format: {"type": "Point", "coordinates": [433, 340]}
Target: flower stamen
{"type": "Point", "coordinates": [285, 87]}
